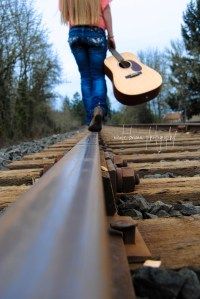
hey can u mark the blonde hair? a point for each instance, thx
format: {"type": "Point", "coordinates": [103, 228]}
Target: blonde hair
{"type": "Point", "coordinates": [80, 12]}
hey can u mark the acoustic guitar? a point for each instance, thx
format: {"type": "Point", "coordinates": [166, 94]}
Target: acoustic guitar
{"type": "Point", "coordinates": [133, 82]}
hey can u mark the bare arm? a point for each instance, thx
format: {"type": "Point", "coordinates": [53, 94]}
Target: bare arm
{"type": "Point", "coordinates": [108, 21]}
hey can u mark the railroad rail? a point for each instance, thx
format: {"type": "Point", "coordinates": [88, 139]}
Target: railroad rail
{"type": "Point", "coordinates": [68, 235]}
{"type": "Point", "coordinates": [54, 241]}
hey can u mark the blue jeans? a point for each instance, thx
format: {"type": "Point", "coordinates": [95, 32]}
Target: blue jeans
{"type": "Point", "coordinates": [89, 45]}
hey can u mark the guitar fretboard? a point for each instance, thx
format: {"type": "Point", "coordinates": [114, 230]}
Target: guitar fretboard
{"type": "Point", "coordinates": [116, 55]}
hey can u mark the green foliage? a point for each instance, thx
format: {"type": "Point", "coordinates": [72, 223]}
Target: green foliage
{"type": "Point", "coordinates": [109, 112]}
{"type": "Point", "coordinates": [77, 108]}
{"type": "Point", "coordinates": [116, 117]}
{"type": "Point", "coordinates": [185, 65]}
{"type": "Point", "coordinates": [66, 104]}
{"type": "Point", "coordinates": [71, 116]}
{"type": "Point", "coordinates": [28, 71]}
{"type": "Point", "coordinates": [158, 61]}
{"type": "Point", "coordinates": [191, 28]}
{"type": "Point", "coordinates": [133, 115]}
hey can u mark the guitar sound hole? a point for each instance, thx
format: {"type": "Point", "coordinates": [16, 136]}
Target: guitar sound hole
{"type": "Point", "coordinates": [125, 64]}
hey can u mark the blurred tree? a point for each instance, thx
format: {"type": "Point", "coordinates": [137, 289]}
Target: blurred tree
{"type": "Point", "coordinates": [66, 104]}
{"type": "Point", "coordinates": [185, 64]}
{"type": "Point", "coordinates": [109, 108]}
{"type": "Point", "coordinates": [133, 115]}
{"type": "Point", "coordinates": [191, 28]}
{"type": "Point", "coordinates": [77, 108]}
{"type": "Point", "coordinates": [178, 96]}
{"type": "Point", "coordinates": [28, 71]}
{"type": "Point", "coordinates": [159, 62]}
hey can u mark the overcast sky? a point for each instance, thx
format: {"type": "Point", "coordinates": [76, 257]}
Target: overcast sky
{"type": "Point", "coordinates": [138, 25]}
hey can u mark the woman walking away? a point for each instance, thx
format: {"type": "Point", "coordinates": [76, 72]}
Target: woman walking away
{"type": "Point", "coordinates": [88, 21]}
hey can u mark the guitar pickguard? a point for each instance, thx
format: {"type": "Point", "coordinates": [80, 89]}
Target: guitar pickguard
{"type": "Point", "coordinates": [136, 67]}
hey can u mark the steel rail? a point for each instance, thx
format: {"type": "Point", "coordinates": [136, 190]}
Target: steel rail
{"type": "Point", "coordinates": [53, 241]}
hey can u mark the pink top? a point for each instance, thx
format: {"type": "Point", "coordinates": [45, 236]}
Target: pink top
{"type": "Point", "coordinates": [104, 4]}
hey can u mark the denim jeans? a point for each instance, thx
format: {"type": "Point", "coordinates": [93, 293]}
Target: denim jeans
{"type": "Point", "coordinates": [89, 45]}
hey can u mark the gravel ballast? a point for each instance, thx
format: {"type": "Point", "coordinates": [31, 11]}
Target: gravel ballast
{"type": "Point", "coordinates": [155, 283]}
{"type": "Point", "coordinates": [137, 207]}
{"type": "Point", "coordinates": [16, 152]}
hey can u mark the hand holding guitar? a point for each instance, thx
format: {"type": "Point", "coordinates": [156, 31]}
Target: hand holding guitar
{"type": "Point", "coordinates": [111, 42]}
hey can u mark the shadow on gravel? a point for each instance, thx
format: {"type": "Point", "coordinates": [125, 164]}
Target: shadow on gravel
{"type": "Point", "coordinates": [157, 283]}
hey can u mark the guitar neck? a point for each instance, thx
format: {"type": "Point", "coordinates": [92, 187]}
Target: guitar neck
{"type": "Point", "coordinates": [116, 54]}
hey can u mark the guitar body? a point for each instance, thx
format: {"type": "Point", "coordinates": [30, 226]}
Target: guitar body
{"type": "Point", "coordinates": [133, 82]}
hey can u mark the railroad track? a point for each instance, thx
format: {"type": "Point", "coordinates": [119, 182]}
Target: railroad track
{"type": "Point", "coordinates": [152, 154]}
{"type": "Point", "coordinates": [67, 235]}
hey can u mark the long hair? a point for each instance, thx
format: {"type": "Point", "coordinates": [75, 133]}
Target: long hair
{"type": "Point", "coordinates": [80, 12]}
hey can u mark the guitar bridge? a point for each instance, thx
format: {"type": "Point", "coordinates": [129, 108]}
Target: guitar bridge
{"type": "Point", "coordinates": [135, 74]}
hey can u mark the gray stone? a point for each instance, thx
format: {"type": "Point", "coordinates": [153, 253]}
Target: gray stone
{"type": "Point", "coordinates": [150, 216]}
{"type": "Point", "coordinates": [175, 213]}
{"type": "Point", "coordinates": [157, 283]}
{"type": "Point", "coordinates": [159, 175]}
{"type": "Point", "coordinates": [131, 213]}
{"type": "Point", "coordinates": [8, 149]}
{"type": "Point", "coordinates": [159, 205]}
{"type": "Point", "coordinates": [197, 209]}
{"type": "Point", "coordinates": [187, 209]}
{"type": "Point", "coordinates": [196, 270]}
{"type": "Point", "coordinates": [162, 213]}
{"type": "Point", "coordinates": [124, 198]}
{"type": "Point", "coordinates": [154, 209]}
{"type": "Point", "coordinates": [137, 202]}
{"type": "Point", "coordinates": [136, 214]}
{"type": "Point", "coordinates": [16, 152]}
{"type": "Point", "coordinates": [166, 207]}
{"type": "Point", "coordinates": [170, 175]}
{"type": "Point", "coordinates": [122, 206]}
{"type": "Point", "coordinates": [119, 202]}
{"type": "Point", "coordinates": [191, 288]}
{"type": "Point", "coordinates": [149, 176]}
